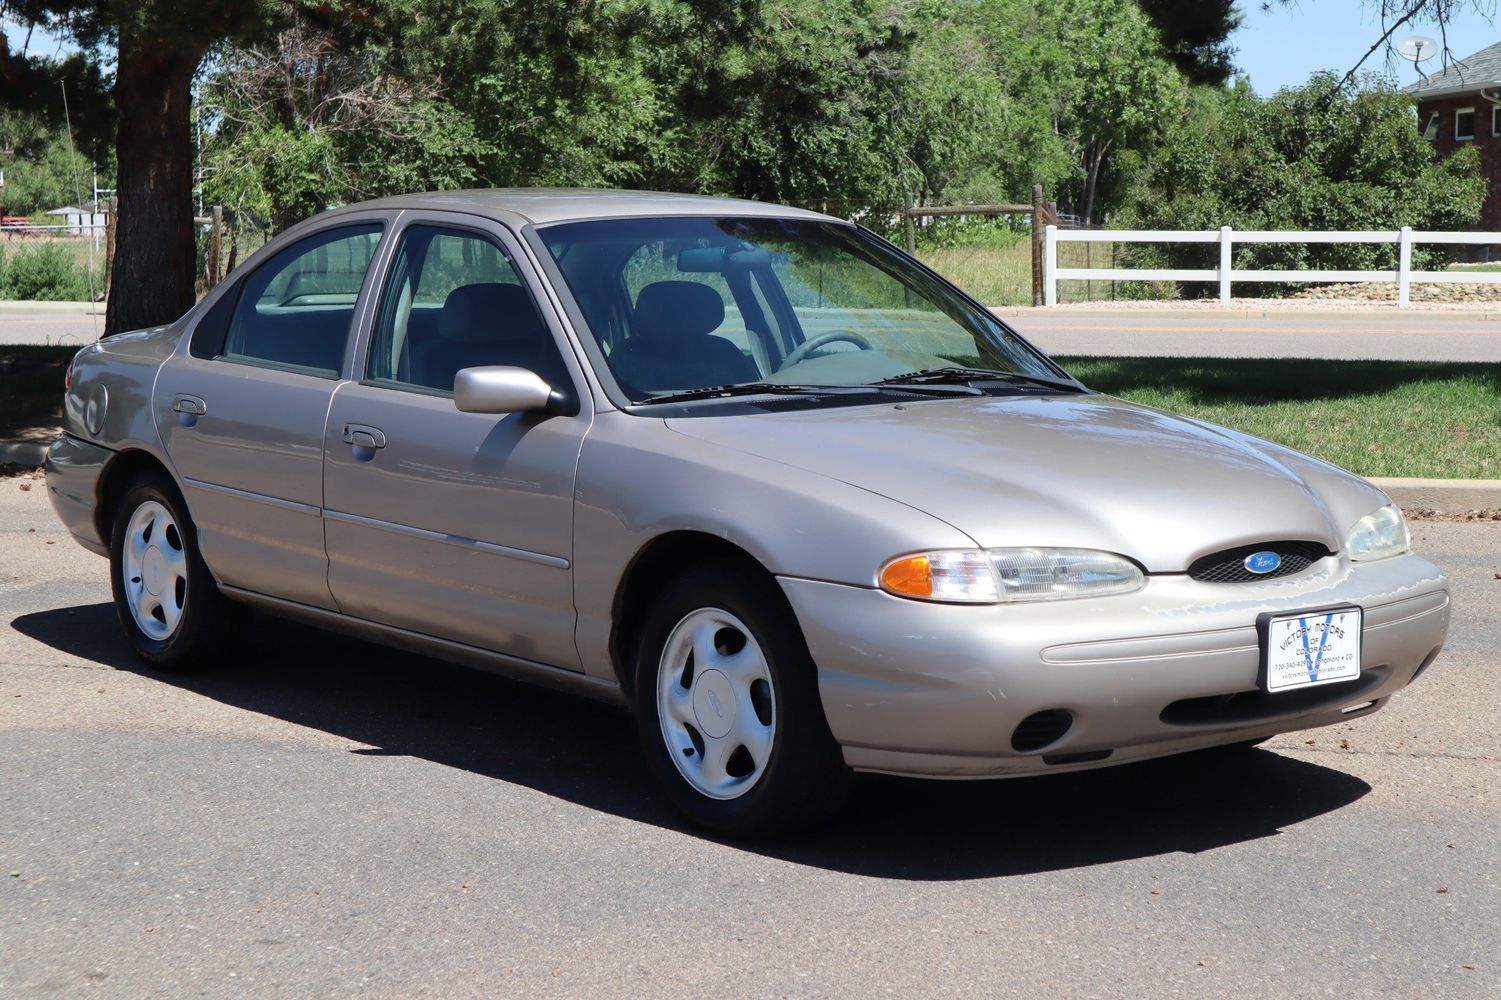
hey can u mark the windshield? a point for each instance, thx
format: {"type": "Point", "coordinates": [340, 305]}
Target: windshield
{"type": "Point", "coordinates": [680, 304]}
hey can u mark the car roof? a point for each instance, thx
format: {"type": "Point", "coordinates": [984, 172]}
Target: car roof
{"type": "Point", "coordinates": [542, 206]}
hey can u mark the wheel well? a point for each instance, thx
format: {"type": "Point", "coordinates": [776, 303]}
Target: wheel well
{"type": "Point", "coordinates": [663, 558]}
{"type": "Point", "coordinates": [118, 475]}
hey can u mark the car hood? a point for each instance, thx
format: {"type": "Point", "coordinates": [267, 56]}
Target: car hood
{"type": "Point", "coordinates": [1085, 471]}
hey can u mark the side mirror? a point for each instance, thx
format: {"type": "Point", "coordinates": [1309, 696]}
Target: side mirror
{"type": "Point", "coordinates": [500, 389]}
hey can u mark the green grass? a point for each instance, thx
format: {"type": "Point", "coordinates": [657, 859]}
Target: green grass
{"type": "Point", "coordinates": [1475, 267]}
{"type": "Point", "coordinates": [31, 386]}
{"type": "Point", "coordinates": [1376, 418]}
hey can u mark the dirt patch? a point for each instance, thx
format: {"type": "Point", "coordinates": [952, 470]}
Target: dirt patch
{"type": "Point", "coordinates": [1429, 514]}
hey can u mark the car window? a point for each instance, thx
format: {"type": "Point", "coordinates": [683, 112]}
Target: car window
{"type": "Point", "coordinates": [721, 301]}
{"type": "Point", "coordinates": [454, 300]}
{"type": "Point", "coordinates": [295, 309]}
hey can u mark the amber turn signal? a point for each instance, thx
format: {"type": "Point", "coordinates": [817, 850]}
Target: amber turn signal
{"type": "Point", "coordinates": [910, 577]}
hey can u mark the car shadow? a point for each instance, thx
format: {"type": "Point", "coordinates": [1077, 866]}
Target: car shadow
{"type": "Point", "coordinates": [398, 704]}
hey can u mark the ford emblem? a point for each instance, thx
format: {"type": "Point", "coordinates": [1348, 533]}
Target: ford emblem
{"type": "Point", "coordinates": [1262, 562]}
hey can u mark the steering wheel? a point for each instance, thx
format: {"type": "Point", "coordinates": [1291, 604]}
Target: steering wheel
{"type": "Point", "coordinates": [807, 347]}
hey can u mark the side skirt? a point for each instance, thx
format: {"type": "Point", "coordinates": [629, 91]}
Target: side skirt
{"type": "Point", "coordinates": [514, 668]}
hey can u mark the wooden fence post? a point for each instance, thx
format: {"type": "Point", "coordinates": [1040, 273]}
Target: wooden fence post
{"type": "Point", "coordinates": [1050, 265]}
{"type": "Point", "coordinates": [1037, 224]}
{"type": "Point", "coordinates": [1227, 260]}
{"type": "Point", "coordinates": [1404, 266]}
{"type": "Point", "coordinates": [907, 222]}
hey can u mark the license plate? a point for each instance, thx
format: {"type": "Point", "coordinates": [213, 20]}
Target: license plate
{"type": "Point", "coordinates": [1309, 648]}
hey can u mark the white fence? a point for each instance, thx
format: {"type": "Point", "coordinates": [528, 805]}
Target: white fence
{"type": "Point", "coordinates": [1226, 274]}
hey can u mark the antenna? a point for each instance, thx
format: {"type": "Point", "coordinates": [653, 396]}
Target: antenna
{"type": "Point", "coordinates": [1417, 48]}
{"type": "Point", "coordinates": [78, 199]}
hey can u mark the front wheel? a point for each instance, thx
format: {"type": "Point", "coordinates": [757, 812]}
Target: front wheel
{"type": "Point", "coordinates": [167, 603]}
{"type": "Point", "coordinates": [728, 711]}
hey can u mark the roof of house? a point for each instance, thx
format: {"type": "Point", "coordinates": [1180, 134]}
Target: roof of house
{"type": "Point", "coordinates": [1480, 71]}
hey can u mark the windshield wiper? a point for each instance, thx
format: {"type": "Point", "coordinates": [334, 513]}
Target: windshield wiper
{"type": "Point", "coordinates": [967, 376]}
{"type": "Point", "coordinates": [750, 389]}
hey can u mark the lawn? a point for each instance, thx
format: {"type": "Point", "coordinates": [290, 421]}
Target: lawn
{"type": "Point", "coordinates": [1377, 418]}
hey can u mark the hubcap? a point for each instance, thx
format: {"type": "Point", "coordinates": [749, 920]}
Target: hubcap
{"type": "Point", "coordinates": [155, 570]}
{"type": "Point", "coordinates": [714, 700]}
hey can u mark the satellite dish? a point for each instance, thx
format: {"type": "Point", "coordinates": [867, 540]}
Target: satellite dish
{"type": "Point", "coordinates": [1417, 48]}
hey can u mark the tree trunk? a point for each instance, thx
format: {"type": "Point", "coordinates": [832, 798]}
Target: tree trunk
{"type": "Point", "coordinates": [152, 279]}
{"type": "Point", "coordinates": [1096, 156]}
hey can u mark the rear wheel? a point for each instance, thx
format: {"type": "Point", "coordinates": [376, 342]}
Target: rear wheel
{"type": "Point", "coordinates": [727, 708]}
{"type": "Point", "coordinates": [167, 603]}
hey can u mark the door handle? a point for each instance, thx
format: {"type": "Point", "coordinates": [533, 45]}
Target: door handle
{"type": "Point", "coordinates": [364, 436]}
{"type": "Point", "coordinates": [191, 405]}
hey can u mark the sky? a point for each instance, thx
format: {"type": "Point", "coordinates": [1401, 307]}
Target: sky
{"type": "Point", "coordinates": [1277, 48]}
{"type": "Point", "coordinates": [1283, 46]}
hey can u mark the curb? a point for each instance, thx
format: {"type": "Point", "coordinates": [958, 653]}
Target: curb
{"type": "Point", "coordinates": [1449, 495]}
{"type": "Point", "coordinates": [1237, 312]}
{"type": "Point", "coordinates": [74, 308]}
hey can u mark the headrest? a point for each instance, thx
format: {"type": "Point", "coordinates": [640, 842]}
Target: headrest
{"type": "Point", "coordinates": [492, 310]}
{"type": "Point", "coordinates": [670, 309]}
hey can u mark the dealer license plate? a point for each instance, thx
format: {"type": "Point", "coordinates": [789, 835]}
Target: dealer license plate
{"type": "Point", "coordinates": [1309, 648]}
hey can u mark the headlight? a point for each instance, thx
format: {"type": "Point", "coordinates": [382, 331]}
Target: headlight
{"type": "Point", "coordinates": [1381, 534]}
{"type": "Point", "coordinates": [997, 576]}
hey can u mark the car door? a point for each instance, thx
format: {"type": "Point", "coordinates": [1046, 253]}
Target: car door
{"type": "Point", "coordinates": [456, 525]}
{"type": "Point", "coordinates": [242, 412]}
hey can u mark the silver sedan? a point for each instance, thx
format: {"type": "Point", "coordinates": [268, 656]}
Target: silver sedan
{"type": "Point", "coordinates": [750, 471]}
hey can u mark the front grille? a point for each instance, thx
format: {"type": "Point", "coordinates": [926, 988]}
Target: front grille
{"type": "Point", "coordinates": [1255, 706]}
{"type": "Point", "coordinates": [1229, 566]}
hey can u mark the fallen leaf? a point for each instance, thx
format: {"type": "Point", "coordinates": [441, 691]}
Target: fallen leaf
{"type": "Point", "coordinates": [25, 487]}
{"type": "Point", "coordinates": [1443, 889]}
{"type": "Point", "coordinates": [1156, 892]}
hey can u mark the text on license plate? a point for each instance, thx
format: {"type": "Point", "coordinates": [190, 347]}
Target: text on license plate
{"type": "Point", "coordinates": [1310, 648]}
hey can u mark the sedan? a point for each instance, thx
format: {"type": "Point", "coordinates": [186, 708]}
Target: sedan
{"type": "Point", "coordinates": [753, 473]}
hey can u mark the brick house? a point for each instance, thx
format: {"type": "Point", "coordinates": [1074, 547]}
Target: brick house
{"type": "Point", "coordinates": [1461, 106]}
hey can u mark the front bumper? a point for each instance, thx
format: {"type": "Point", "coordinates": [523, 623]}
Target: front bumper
{"type": "Point", "coordinates": [939, 690]}
{"type": "Point", "coordinates": [73, 470]}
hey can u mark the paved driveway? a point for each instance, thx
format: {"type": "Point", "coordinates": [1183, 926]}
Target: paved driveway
{"type": "Point", "coordinates": [328, 818]}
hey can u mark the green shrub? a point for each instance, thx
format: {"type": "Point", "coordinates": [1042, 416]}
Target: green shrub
{"type": "Point", "coordinates": [47, 273]}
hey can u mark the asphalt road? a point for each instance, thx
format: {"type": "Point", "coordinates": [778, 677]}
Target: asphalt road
{"type": "Point", "coordinates": [326, 818]}
{"type": "Point", "coordinates": [50, 323]}
{"type": "Point", "coordinates": [1415, 335]}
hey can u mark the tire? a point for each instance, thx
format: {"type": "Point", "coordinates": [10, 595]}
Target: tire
{"type": "Point", "coordinates": [167, 602]}
{"type": "Point", "coordinates": [742, 748]}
